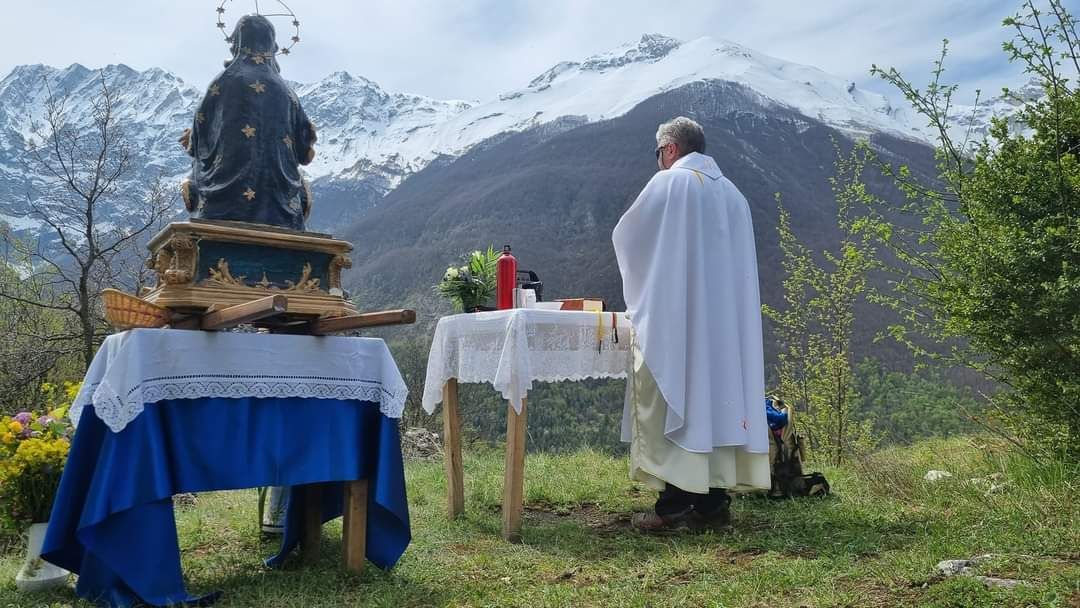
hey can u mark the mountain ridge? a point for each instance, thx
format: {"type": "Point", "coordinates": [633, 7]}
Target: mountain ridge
{"type": "Point", "coordinates": [555, 196]}
{"type": "Point", "coordinates": [372, 140]}
{"type": "Point", "coordinates": [414, 181]}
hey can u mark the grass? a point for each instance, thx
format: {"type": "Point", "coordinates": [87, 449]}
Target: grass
{"type": "Point", "coordinates": [874, 543]}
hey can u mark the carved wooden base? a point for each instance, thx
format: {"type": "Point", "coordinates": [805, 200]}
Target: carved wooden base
{"type": "Point", "coordinates": [204, 264]}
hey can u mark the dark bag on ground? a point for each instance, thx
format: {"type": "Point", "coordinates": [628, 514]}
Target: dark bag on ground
{"type": "Point", "coordinates": [786, 455]}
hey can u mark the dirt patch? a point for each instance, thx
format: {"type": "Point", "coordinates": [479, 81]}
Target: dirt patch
{"type": "Point", "coordinates": [461, 549]}
{"type": "Point", "coordinates": [1069, 558]}
{"type": "Point", "coordinates": [590, 516]}
{"type": "Point", "coordinates": [801, 553]}
{"type": "Point", "coordinates": [579, 577]}
{"type": "Point", "coordinates": [739, 557]}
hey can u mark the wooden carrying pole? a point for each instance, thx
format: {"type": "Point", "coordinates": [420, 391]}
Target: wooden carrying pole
{"type": "Point", "coordinates": [332, 325]}
{"type": "Point", "coordinates": [248, 312]}
{"type": "Point", "coordinates": [245, 313]}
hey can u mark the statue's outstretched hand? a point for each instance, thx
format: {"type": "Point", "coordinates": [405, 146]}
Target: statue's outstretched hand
{"type": "Point", "coordinates": [185, 140]}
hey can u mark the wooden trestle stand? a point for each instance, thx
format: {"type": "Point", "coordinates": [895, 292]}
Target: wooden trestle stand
{"type": "Point", "coordinates": [213, 276]}
{"type": "Point", "coordinates": [513, 474]}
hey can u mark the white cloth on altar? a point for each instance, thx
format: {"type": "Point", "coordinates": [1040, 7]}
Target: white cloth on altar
{"type": "Point", "coordinates": [143, 366]}
{"type": "Point", "coordinates": [511, 349]}
{"type": "Point", "coordinates": [686, 253]}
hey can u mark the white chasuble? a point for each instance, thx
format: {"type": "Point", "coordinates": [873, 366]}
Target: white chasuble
{"type": "Point", "coordinates": [686, 253]}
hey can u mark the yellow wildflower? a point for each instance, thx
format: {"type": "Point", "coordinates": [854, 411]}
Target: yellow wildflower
{"type": "Point", "coordinates": [15, 427]}
{"type": "Point", "coordinates": [7, 438]}
{"type": "Point", "coordinates": [71, 390]}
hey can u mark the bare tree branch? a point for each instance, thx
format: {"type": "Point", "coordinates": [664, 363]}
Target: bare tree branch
{"type": "Point", "coordinates": [82, 175]}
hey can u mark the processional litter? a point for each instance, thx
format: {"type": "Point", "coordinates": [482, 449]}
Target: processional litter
{"type": "Point", "coordinates": [188, 411]}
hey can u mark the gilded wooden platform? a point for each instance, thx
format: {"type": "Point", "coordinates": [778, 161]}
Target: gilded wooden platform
{"type": "Point", "coordinates": [201, 265]}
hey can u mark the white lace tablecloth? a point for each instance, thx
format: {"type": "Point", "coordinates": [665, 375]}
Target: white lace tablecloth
{"type": "Point", "coordinates": [511, 349]}
{"type": "Point", "coordinates": [144, 366]}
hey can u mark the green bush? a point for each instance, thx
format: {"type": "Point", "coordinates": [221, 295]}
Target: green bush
{"type": "Point", "coordinates": [988, 275]}
{"type": "Point", "coordinates": [29, 479]}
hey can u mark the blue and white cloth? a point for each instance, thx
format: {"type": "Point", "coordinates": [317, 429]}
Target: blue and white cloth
{"type": "Point", "coordinates": [195, 412]}
{"type": "Point", "coordinates": [146, 366]}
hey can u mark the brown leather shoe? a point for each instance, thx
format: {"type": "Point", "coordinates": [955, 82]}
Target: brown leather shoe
{"type": "Point", "coordinates": [719, 518]}
{"type": "Point", "coordinates": [651, 522]}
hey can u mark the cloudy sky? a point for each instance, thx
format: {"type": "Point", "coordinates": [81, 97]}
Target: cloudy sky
{"type": "Point", "coordinates": [475, 49]}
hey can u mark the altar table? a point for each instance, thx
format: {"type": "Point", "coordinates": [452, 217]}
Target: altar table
{"type": "Point", "coordinates": [164, 412]}
{"type": "Point", "coordinates": [510, 350]}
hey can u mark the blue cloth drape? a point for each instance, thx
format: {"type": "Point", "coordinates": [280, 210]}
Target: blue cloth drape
{"type": "Point", "coordinates": [112, 522]}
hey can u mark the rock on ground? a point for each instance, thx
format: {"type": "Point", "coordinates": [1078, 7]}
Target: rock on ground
{"type": "Point", "coordinates": [953, 567]}
{"type": "Point", "coordinates": [185, 501]}
{"type": "Point", "coordinates": [420, 444]}
{"type": "Point", "coordinates": [964, 567]}
{"type": "Point", "coordinates": [1000, 583]}
{"type": "Point", "coordinates": [937, 475]}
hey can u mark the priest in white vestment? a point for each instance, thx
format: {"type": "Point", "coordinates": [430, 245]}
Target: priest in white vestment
{"type": "Point", "coordinates": [694, 413]}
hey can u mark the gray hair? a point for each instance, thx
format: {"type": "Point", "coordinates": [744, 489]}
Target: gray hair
{"type": "Point", "coordinates": [682, 131]}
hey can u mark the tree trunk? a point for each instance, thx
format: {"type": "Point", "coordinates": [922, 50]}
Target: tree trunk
{"type": "Point", "coordinates": [86, 321]}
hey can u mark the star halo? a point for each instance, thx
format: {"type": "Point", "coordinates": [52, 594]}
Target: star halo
{"type": "Point", "coordinates": [282, 10]}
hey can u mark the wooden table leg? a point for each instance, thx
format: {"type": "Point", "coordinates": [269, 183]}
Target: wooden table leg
{"type": "Point", "coordinates": [514, 476]}
{"type": "Point", "coordinates": [455, 484]}
{"type": "Point", "coordinates": [354, 525]}
{"type": "Point", "coordinates": [311, 526]}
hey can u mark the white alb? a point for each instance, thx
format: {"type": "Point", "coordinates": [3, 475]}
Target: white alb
{"type": "Point", "coordinates": [686, 253]}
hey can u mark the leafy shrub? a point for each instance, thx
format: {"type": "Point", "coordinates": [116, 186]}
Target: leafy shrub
{"type": "Point", "coordinates": [33, 450]}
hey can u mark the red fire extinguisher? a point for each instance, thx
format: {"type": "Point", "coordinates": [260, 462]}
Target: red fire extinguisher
{"type": "Point", "coordinates": [506, 273]}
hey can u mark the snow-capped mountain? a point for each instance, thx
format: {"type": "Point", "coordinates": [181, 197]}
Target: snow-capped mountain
{"type": "Point", "coordinates": [607, 86]}
{"type": "Point", "coordinates": [149, 107]}
{"type": "Point", "coordinates": [362, 128]}
{"type": "Point", "coordinates": [971, 123]}
{"type": "Point", "coordinates": [373, 139]}
{"type": "Point", "coordinates": [610, 84]}
{"type": "Point", "coordinates": [354, 115]}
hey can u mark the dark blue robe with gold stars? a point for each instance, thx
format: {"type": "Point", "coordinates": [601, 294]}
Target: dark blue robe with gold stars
{"type": "Point", "coordinates": [249, 137]}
